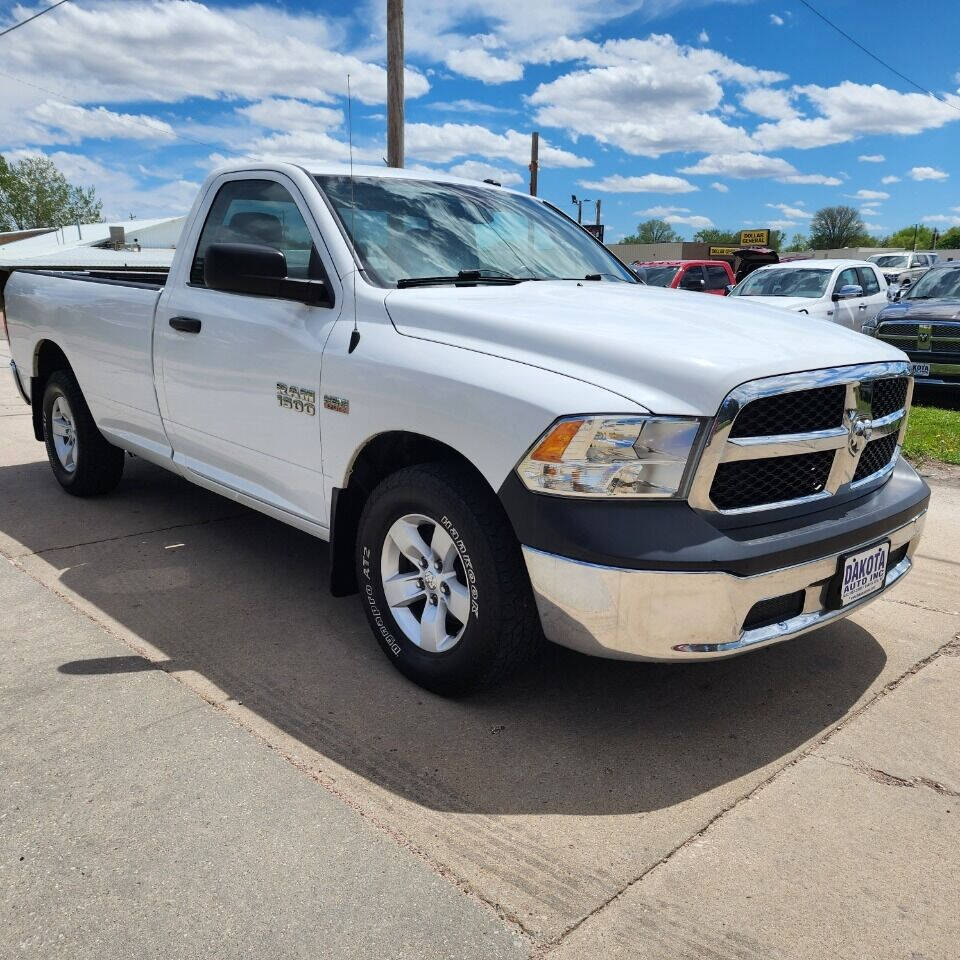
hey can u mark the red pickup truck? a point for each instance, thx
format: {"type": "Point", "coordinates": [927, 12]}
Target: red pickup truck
{"type": "Point", "coordinates": [706, 276]}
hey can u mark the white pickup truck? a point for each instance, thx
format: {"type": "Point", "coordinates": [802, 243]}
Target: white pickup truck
{"type": "Point", "coordinates": [502, 434]}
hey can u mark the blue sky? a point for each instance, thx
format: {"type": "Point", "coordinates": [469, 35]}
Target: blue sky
{"type": "Point", "coordinates": [729, 113]}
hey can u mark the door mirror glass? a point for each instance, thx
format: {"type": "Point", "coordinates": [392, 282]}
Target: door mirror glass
{"type": "Point", "coordinates": [693, 283]}
{"type": "Point", "coordinates": [257, 270]}
{"type": "Point", "coordinates": [848, 292]}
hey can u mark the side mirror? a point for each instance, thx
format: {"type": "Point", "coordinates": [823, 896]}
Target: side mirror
{"type": "Point", "coordinates": [906, 282]}
{"type": "Point", "coordinates": [258, 271]}
{"type": "Point", "coordinates": [848, 292]}
{"type": "Point", "coordinates": [729, 288]}
{"type": "Point", "coordinates": [693, 283]}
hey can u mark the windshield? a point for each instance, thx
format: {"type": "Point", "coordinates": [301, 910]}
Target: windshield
{"type": "Point", "coordinates": [656, 276]}
{"type": "Point", "coordinates": [784, 283]}
{"type": "Point", "coordinates": [404, 229]}
{"type": "Point", "coordinates": [935, 284]}
{"type": "Point", "coordinates": [889, 261]}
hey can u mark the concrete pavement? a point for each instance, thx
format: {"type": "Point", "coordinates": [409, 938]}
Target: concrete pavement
{"type": "Point", "coordinates": [796, 802]}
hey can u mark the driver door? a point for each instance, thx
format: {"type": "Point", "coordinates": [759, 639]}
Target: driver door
{"type": "Point", "coordinates": [238, 376]}
{"type": "Point", "coordinates": [848, 312]}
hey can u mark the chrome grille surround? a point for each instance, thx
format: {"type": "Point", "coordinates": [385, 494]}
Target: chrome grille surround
{"type": "Point", "coordinates": [847, 440]}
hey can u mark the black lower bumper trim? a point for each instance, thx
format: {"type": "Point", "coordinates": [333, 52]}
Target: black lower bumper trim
{"type": "Point", "coordinates": [671, 535]}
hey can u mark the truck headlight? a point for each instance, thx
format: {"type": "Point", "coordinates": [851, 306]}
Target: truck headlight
{"type": "Point", "coordinates": [611, 456]}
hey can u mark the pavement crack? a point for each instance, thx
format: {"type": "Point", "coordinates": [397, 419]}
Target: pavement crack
{"type": "Point", "coordinates": [949, 649]}
{"type": "Point", "coordinates": [921, 606]}
{"type": "Point", "coordinates": [133, 533]}
{"type": "Point", "coordinates": [890, 779]}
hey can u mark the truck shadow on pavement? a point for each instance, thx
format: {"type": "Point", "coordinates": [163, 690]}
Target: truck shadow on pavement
{"type": "Point", "coordinates": [241, 600]}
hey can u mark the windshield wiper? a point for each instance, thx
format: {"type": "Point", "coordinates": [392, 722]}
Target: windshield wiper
{"type": "Point", "coordinates": [462, 277]}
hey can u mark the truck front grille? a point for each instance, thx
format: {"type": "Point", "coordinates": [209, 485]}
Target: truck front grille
{"type": "Point", "coordinates": [876, 455]}
{"type": "Point", "coordinates": [787, 440]}
{"type": "Point", "coordinates": [752, 483]}
{"type": "Point", "coordinates": [799, 412]}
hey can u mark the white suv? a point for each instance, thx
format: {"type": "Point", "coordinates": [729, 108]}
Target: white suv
{"type": "Point", "coordinates": [902, 269]}
{"type": "Point", "coordinates": [848, 292]}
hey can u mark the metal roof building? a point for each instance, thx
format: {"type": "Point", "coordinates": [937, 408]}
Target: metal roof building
{"type": "Point", "coordinates": [120, 245]}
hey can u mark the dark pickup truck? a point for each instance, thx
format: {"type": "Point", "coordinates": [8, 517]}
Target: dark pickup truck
{"type": "Point", "coordinates": [924, 322]}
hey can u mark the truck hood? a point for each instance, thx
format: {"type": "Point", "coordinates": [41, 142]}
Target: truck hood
{"type": "Point", "coordinates": [669, 351]}
{"type": "Point", "coordinates": [918, 310]}
{"type": "Point", "coordinates": [783, 303]}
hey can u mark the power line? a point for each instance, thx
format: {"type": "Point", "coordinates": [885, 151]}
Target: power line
{"type": "Point", "coordinates": [23, 23]}
{"type": "Point", "coordinates": [873, 56]}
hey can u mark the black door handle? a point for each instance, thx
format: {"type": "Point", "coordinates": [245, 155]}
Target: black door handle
{"type": "Point", "coordinates": [185, 324]}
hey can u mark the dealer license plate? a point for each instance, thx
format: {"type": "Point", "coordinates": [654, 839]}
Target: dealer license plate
{"type": "Point", "coordinates": [863, 573]}
{"type": "Point", "coordinates": [921, 369]}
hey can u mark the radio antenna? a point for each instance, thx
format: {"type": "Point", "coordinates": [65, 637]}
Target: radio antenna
{"type": "Point", "coordinates": [355, 333]}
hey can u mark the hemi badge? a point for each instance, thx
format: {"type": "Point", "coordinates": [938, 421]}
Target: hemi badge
{"type": "Point", "coordinates": [336, 404]}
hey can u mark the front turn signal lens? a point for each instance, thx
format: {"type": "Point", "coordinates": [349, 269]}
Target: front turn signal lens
{"type": "Point", "coordinates": [611, 456]}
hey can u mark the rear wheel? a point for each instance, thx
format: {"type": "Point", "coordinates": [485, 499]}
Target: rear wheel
{"type": "Point", "coordinates": [442, 579]}
{"type": "Point", "coordinates": [83, 462]}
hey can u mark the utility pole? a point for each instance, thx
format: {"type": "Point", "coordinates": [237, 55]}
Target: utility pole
{"type": "Point", "coordinates": [597, 202]}
{"type": "Point", "coordinates": [534, 161]}
{"type": "Point", "coordinates": [916, 227]}
{"type": "Point", "coordinates": [936, 235]}
{"type": "Point", "coordinates": [395, 83]}
{"type": "Point", "coordinates": [579, 205]}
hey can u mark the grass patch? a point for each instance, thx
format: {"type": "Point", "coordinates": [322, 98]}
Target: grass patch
{"type": "Point", "coordinates": [933, 434]}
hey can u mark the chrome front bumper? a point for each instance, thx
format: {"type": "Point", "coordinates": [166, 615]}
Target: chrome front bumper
{"type": "Point", "coordinates": [657, 615]}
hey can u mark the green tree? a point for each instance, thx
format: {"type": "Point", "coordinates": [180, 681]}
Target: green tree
{"type": "Point", "coordinates": [904, 237]}
{"type": "Point", "coordinates": [717, 237]}
{"type": "Point", "coordinates": [800, 241]}
{"type": "Point", "coordinates": [835, 227]}
{"type": "Point", "coordinates": [34, 193]}
{"type": "Point", "coordinates": [776, 239]}
{"type": "Point", "coordinates": [653, 231]}
{"type": "Point", "coordinates": [949, 240]}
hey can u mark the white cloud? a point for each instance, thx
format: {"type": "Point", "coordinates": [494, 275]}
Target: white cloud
{"type": "Point", "coordinates": [750, 166]}
{"type": "Point", "coordinates": [869, 195]}
{"type": "Point", "coordinates": [475, 170]}
{"type": "Point", "coordinates": [661, 211]}
{"type": "Point", "coordinates": [795, 213]}
{"type": "Point", "coordinates": [720, 187]}
{"type": "Point", "coordinates": [942, 218]}
{"type": "Point", "coordinates": [769, 102]}
{"type": "Point", "coordinates": [850, 110]}
{"type": "Point", "coordinates": [441, 143]}
{"type": "Point", "coordinates": [782, 224]}
{"type": "Point", "coordinates": [118, 51]}
{"type": "Point", "coordinates": [927, 173]}
{"type": "Point", "coordinates": [277, 113]}
{"type": "Point", "coordinates": [875, 227]}
{"type": "Point", "coordinates": [695, 221]}
{"type": "Point", "coordinates": [481, 65]}
{"type": "Point", "coordinates": [871, 158]}
{"type": "Point", "coordinates": [775, 20]}
{"type": "Point", "coordinates": [68, 123]}
{"type": "Point", "coordinates": [467, 106]}
{"type": "Point", "coordinates": [703, 37]}
{"type": "Point", "coordinates": [648, 97]}
{"type": "Point", "coordinates": [648, 183]}
{"type": "Point", "coordinates": [890, 179]}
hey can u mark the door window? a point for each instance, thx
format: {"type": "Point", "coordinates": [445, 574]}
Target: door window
{"type": "Point", "coordinates": [264, 213]}
{"type": "Point", "coordinates": [869, 282]}
{"type": "Point", "coordinates": [689, 280]}
{"type": "Point", "coordinates": [847, 277]}
{"type": "Point", "coordinates": [717, 278]}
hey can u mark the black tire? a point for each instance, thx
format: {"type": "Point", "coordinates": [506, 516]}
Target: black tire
{"type": "Point", "coordinates": [502, 628]}
{"type": "Point", "coordinates": [98, 465]}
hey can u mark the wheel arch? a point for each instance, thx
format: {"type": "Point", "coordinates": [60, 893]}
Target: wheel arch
{"type": "Point", "coordinates": [377, 458]}
{"type": "Point", "coordinates": [48, 357]}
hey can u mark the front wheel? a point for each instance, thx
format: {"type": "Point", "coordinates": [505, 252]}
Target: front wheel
{"type": "Point", "coordinates": [442, 579]}
{"type": "Point", "coordinates": [83, 461]}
